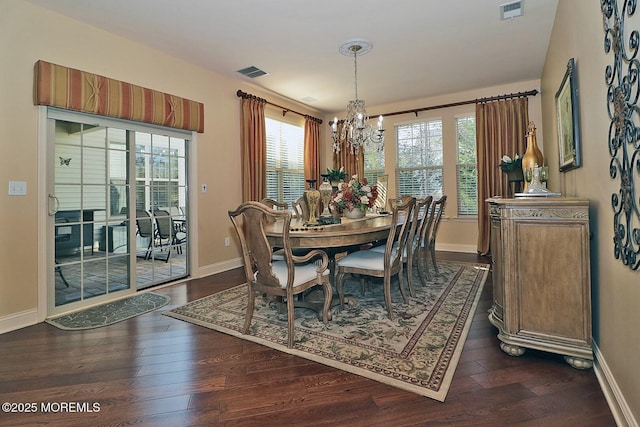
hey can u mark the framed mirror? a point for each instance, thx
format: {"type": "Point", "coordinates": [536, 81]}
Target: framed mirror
{"type": "Point", "coordinates": [568, 123]}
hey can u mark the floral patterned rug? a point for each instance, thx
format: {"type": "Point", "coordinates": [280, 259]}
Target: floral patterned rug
{"type": "Point", "coordinates": [111, 312]}
{"type": "Point", "coordinates": [419, 351]}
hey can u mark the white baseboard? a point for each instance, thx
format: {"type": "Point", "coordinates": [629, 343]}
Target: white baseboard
{"type": "Point", "coordinates": [18, 320]}
{"type": "Point", "coordinates": [219, 267]}
{"type": "Point", "coordinates": [617, 403]}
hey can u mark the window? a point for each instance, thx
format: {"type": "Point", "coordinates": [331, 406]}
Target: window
{"type": "Point", "coordinates": [285, 161]}
{"type": "Point", "coordinates": [466, 166]}
{"type": "Point", "coordinates": [160, 172]}
{"type": "Point", "coordinates": [419, 170]}
{"type": "Point", "coordinates": [373, 164]}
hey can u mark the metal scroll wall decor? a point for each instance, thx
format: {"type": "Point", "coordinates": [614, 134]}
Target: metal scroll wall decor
{"type": "Point", "coordinates": [623, 92]}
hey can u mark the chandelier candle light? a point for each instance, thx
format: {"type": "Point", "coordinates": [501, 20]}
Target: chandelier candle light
{"type": "Point", "coordinates": [356, 130]}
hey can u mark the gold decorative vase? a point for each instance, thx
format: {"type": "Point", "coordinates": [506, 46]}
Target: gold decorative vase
{"type": "Point", "coordinates": [312, 196]}
{"type": "Point", "coordinates": [326, 190]}
{"type": "Point", "coordinates": [532, 157]}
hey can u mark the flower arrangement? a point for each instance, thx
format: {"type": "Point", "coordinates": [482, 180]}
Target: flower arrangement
{"type": "Point", "coordinates": [355, 194]}
{"type": "Point", "coordinates": [507, 164]}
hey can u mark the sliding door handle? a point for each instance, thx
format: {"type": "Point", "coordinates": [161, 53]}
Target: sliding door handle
{"type": "Point", "coordinates": [54, 204]}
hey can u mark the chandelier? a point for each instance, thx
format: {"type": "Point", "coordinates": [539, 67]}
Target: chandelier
{"type": "Point", "coordinates": [356, 130]}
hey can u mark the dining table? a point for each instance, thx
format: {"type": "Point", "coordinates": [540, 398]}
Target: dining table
{"type": "Point", "coordinates": [334, 239]}
{"type": "Point", "coordinates": [349, 233]}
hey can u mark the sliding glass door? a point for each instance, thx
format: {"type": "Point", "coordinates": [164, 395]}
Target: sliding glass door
{"type": "Point", "coordinates": [160, 201]}
{"type": "Point", "coordinates": [118, 208]}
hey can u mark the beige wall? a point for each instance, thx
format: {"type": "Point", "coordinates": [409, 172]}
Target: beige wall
{"type": "Point", "coordinates": [455, 234]}
{"type": "Point", "coordinates": [578, 33]}
{"type": "Point", "coordinates": [29, 33]}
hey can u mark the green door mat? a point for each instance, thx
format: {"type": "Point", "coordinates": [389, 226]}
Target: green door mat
{"type": "Point", "coordinates": [111, 312]}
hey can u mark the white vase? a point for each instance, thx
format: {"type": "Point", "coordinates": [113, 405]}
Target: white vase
{"type": "Point", "coordinates": [354, 214]}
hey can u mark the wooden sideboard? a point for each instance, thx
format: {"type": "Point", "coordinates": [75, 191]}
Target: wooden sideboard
{"type": "Point", "coordinates": [541, 276]}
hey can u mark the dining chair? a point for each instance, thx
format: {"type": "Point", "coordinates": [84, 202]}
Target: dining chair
{"type": "Point", "coordinates": [180, 232]}
{"type": "Point", "coordinates": [422, 236]}
{"type": "Point", "coordinates": [380, 245]}
{"type": "Point", "coordinates": [382, 183]}
{"type": "Point", "coordinates": [403, 199]}
{"type": "Point", "coordinates": [278, 253]}
{"type": "Point", "coordinates": [164, 230]}
{"type": "Point", "coordinates": [410, 256]}
{"type": "Point", "coordinates": [275, 204]}
{"type": "Point", "coordinates": [169, 232]}
{"type": "Point", "coordinates": [144, 224]}
{"type": "Point", "coordinates": [428, 247]}
{"type": "Point", "coordinates": [297, 208]}
{"type": "Point", "coordinates": [381, 264]}
{"type": "Point", "coordinates": [412, 247]}
{"type": "Point", "coordinates": [281, 278]}
{"type": "Point", "coordinates": [302, 208]}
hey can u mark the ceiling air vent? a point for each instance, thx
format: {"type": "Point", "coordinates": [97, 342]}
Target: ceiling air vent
{"type": "Point", "coordinates": [252, 72]}
{"type": "Point", "coordinates": [511, 10]}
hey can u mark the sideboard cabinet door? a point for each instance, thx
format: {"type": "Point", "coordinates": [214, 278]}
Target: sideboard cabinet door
{"type": "Point", "coordinates": [496, 313]}
{"type": "Point", "coordinates": [542, 281]}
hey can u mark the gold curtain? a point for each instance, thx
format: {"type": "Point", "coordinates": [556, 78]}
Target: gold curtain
{"type": "Point", "coordinates": [254, 149]}
{"type": "Point", "coordinates": [501, 128]}
{"type": "Point", "coordinates": [353, 163]}
{"type": "Point", "coordinates": [311, 154]}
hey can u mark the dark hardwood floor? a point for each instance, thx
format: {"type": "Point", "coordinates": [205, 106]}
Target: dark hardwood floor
{"type": "Point", "coordinates": [157, 371]}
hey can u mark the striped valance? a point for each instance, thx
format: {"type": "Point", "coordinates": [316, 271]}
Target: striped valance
{"type": "Point", "coordinates": [77, 90]}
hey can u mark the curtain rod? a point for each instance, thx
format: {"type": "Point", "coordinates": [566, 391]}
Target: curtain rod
{"type": "Point", "coordinates": [533, 92]}
{"type": "Point", "coordinates": [285, 110]}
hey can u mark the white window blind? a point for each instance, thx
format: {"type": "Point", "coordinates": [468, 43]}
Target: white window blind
{"type": "Point", "coordinates": [419, 168]}
{"type": "Point", "coordinates": [373, 164]}
{"type": "Point", "coordinates": [466, 166]}
{"type": "Point", "coordinates": [285, 161]}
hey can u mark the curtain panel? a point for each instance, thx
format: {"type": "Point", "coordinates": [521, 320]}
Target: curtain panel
{"type": "Point", "coordinates": [311, 154]}
{"type": "Point", "coordinates": [501, 128]}
{"type": "Point", "coordinates": [254, 149]}
{"type": "Point", "coordinates": [76, 90]}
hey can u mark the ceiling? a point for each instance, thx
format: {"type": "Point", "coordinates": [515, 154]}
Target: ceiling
{"type": "Point", "coordinates": [421, 48]}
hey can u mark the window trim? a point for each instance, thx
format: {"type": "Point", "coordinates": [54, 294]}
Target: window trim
{"type": "Point", "coordinates": [459, 165]}
{"type": "Point", "coordinates": [290, 122]}
{"type": "Point", "coordinates": [425, 168]}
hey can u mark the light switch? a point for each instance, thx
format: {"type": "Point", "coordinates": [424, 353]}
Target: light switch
{"type": "Point", "coordinates": [17, 188]}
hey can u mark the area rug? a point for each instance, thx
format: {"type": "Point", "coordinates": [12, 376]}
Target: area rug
{"type": "Point", "coordinates": [418, 352]}
{"type": "Point", "coordinates": [111, 312]}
